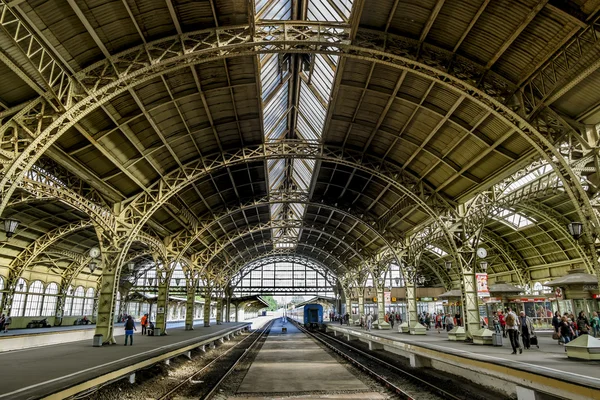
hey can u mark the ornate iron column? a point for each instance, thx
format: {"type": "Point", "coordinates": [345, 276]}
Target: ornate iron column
{"type": "Point", "coordinates": [219, 307]}
{"type": "Point", "coordinates": [207, 294]}
{"type": "Point", "coordinates": [190, 312]}
{"type": "Point", "coordinates": [163, 276]}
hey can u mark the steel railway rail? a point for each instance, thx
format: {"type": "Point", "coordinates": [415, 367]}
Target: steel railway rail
{"type": "Point", "coordinates": [386, 380]}
{"type": "Point", "coordinates": [256, 335]}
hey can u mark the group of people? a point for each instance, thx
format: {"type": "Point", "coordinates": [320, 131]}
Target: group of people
{"type": "Point", "coordinates": [147, 327]}
{"type": "Point", "coordinates": [567, 327]}
{"type": "Point", "coordinates": [4, 323]}
{"type": "Point", "coordinates": [515, 327]}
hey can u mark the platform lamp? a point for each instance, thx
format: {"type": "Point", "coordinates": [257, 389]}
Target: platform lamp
{"type": "Point", "coordinates": [131, 266]}
{"type": "Point", "coordinates": [575, 229]}
{"type": "Point", "coordinates": [448, 265]}
{"type": "Point", "coordinates": [484, 266]}
{"type": "Point", "coordinates": [10, 227]}
{"type": "Point", "coordinates": [92, 266]}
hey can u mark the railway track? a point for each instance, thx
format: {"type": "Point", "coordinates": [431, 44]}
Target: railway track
{"type": "Point", "coordinates": [387, 374]}
{"type": "Point", "coordinates": [219, 373]}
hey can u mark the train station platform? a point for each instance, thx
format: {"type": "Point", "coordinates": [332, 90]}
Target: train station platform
{"type": "Point", "coordinates": [292, 363]}
{"type": "Point", "coordinates": [546, 370]}
{"type": "Point", "coordinates": [18, 339]}
{"type": "Point", "coordinates": [71, 368]}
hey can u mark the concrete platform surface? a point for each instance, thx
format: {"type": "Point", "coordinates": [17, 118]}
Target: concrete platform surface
{"type": "Point", "coordinates": [34, 372]}
{"type": "Point", "coordinates": [549, 360]}
{"type": "Point", "coordinates": [293, 363]}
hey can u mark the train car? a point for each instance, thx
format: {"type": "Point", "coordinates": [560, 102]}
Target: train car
{"type": "Point", "coordinates": [310, 315]}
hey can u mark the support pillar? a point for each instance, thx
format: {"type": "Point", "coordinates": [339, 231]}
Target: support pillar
{"type": "Point", "coordinates": [220, 310]}
{"type": "Point", "coordinates": [470, 303]}
{"type": "Point", "coordinates": [414, 327]}
{"type": "Point", "coordinates": [237, 318]}
{"type": "Point", "coordinates": [349, 306]}
{"type": "Point", "coordinates": [110, 249]}
{"type": "Point", "coordinates": [381, 324]}
{"type": "Point", "coordinates": [190, 303]}
{"type": "Point", "coordinates": [228, 309]}
{"type": "Point", "coordinates": [361, 305]}
{"type": "Point", "coordinates": [207, 293]}
{"type": "Point", "coordinates": [162, 302]}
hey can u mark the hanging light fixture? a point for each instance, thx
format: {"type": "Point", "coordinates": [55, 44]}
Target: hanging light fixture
{"type": "Point", "coordinates": [177, 281]}
{"type": "Point", "coordinates": [150, 281]}
{"type": "Point", "coordinates": [483, 265]}
{"type": "Point", "coordinates": [131, 266]}
{"type": "Point", "coordinates": [448, 265]}
{"type": "Point", "coordinates": [21, 286]}
{"type": "Point", "coordinates": [397, 280]}
{"type": "Point", "coordinates": [10, 227]}
{"type": "Point", "coordinates": [575, 229]}
{"type": "Point", "coordinates": [92, 266]}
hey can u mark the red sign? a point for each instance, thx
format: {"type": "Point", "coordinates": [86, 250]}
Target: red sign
{"type": "Point", "coordinates": [596, 296]}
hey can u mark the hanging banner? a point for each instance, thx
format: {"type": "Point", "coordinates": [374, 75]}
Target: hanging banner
{"type": "Point", "coordinates": [387, 297]}
{"type": "Point", "coordinates": [482, 285]}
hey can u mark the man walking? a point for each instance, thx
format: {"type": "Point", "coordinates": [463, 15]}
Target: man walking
{"type": "Point", "coordinates": [512, 327]}
{"type": "Point", "coordinates": [526, 329]}
{"type": "Point", "coordinates": [129, 328]}
{"type": "Point", "coordinates": [369, 322]}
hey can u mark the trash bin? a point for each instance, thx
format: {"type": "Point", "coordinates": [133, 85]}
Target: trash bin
{"type": "Point", "coordinates": [98, 339]}
{"type": "Point", "coordinates": [497, 339]}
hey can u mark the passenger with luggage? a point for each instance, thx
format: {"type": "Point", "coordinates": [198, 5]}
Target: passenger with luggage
{"type": "Point", "coordinates": [129, 328]}
{"type": "Point", "coordinates": [512, 328]}
{"type": "Point", "coordinates": [496, 322]}
{"type": "Point", "coordinates": [526, 329]}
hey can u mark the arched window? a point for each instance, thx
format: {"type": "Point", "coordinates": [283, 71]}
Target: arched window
{"type": "Point", "coordinates": [68, 302]}
{"type": "Point", "coordinates": [50, 299]}
{"type": "Point", "coordinates": [78, 298]}
{"type": "Point", "coordinates": [18, 304]}
{"type": "Point", "coordinates": [34, 299]}
{"type": "Point", "coordinates": [88, 307]}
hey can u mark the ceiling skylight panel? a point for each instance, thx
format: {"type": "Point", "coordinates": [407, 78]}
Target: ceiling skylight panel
{"type": "Point", "coordinates": [511, 218]}
{"type": "Point", "coordinates": [305, 131]}
{"type": "Point", "coordinates": [298, 210]}
{"type": "Point", "coordinates": [533, 175]}
{"type": "Point", "coordinates": [322, 77]}
{"type": "Point", "coordinates": [302, 173]}
{"type": "Point", "coordinates": [270, 74]}
{"type": "Point", "coordinates": [276, 173]}
{"type": "Point", "coordinates": [329, 10]}
{"type": "Point", "coordinates": [311, 107]}
{"type": "Point", "coordinates": [275, 109]}
{"type": "Point", "coordinates": [273, 9]}
{"type": "Point", "coordinates": [436, 250]}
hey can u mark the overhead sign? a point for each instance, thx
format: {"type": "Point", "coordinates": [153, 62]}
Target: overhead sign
{"type": "Point", "coordinates": [393, 299]}
{"type": "Point", "coordinates": [387, 297]}
{"type": "Point", "coordinates": [482, 284]}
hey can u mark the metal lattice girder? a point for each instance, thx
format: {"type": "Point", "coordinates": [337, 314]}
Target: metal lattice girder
{"type": "Point", "coordinates": [53, 80]}
{"type": "Point", "coordinates": [554, 78]}
{"type": "Point", "coordinates": [240, 260]}
{"type": "Point", "coordinates": [182, 241]}
{"type": "Point", "coordinates": [206, 256]}
{"type": "Point", "coordinates": [41, 244]}
{"type": "Point", "coordinates": [508, 253]}
{"type": "Point", "coordinates": [265, 259]}
{"type": "Point", "coordinates": [146, 62]}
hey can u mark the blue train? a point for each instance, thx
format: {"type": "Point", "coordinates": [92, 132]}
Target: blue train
{"type": "Point", "coordinates": [310, 315]}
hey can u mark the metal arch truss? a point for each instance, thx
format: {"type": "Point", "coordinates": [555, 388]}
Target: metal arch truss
{"type": "Point", "coordinates": [239, 260]}
{"type": "Point", "coordinates": [104, 80]}
{"type": "Point", "coordinates": [207, 256]}
{"type": "Point", "coordinates": [181, 242]}
{"type": "Point", "coordinates": [263, 260]}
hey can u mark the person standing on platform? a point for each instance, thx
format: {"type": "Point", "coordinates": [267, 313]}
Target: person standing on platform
{"type": "Point", "coordinates": [144, 323]}
{"type": "Point", "coordinates": [438, 322]}
{"type": "Point", "coordinates": [595, 323]}
{"type": "Point", "coordinates": [496, 322]}
{"type": "Point", "coordinates": [7, 322]}
{"type": "Point", "coordinates": [583, 324]}
{"type": "Point", "coordinates": [391, 321]}
{"type": "Point", "coordinates": [129, 328]}
{"type": "Point", "coordinates": [369, 322]}
{"type": "Point", "coordinates": [512, 327]}
{"type": "Point", "coordinates": [556, 321]}
{"type": "Point", "coordinates": [502, 319]}
{"type": "Point", "coordinates": [449, 322]}
{"type": "Point", "coordinates": [526, 329]}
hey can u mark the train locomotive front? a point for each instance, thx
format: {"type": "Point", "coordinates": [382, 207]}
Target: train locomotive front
{"type": "Point", "coordinates": [310, 315]}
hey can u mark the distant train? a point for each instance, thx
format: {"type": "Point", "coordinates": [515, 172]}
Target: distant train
{"type": "Point", "coordinates": [310, 315]}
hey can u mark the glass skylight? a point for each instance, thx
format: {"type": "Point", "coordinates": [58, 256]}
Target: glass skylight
{"type": "Point", "coordinates": [436, 250]}
{"type": "Point", "coordinates": [512, 218]}
{"type": "Point", "coordinates": [316, 81]}
{"type": "Point", "coordinates": [533, 175]}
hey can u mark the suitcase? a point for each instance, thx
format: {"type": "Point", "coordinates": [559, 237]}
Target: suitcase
{"type": "Point", "coordinates": [497, 339]}
{"type": "Point", "coordinates": [534, 341]}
